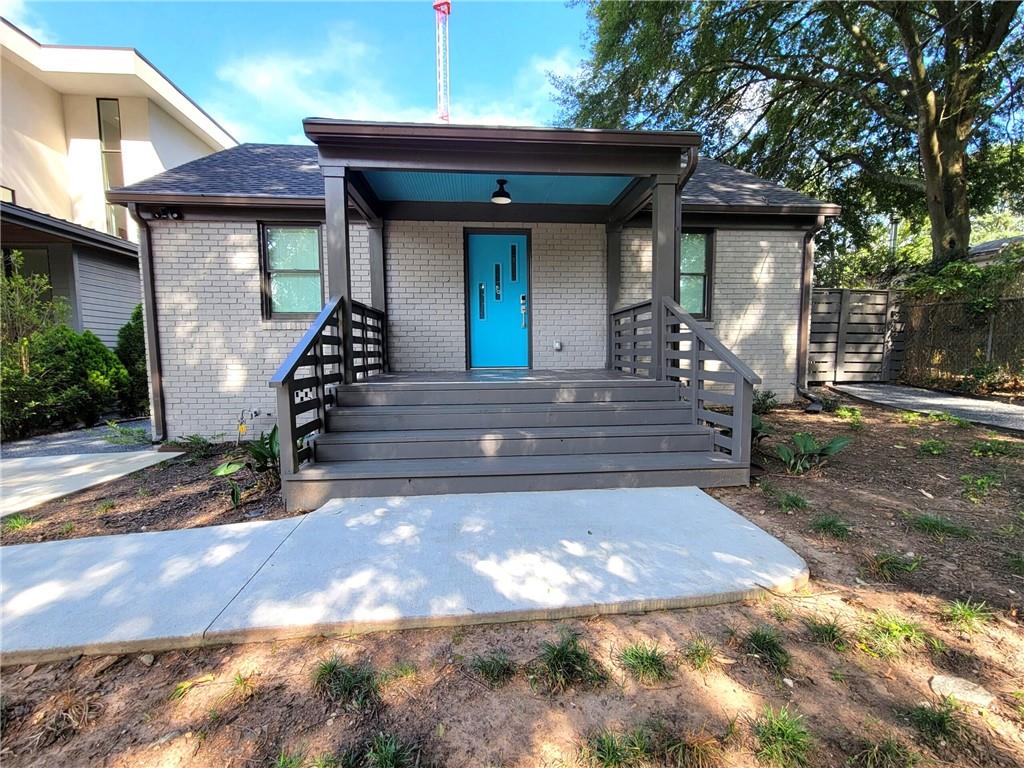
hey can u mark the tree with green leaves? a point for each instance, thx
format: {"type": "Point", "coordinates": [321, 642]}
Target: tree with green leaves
{"type": "Point", "coordinates": [901, 107]}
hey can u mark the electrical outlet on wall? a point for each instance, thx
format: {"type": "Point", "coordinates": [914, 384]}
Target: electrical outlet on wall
{"type": "Point", "coordinates": [558, 345]}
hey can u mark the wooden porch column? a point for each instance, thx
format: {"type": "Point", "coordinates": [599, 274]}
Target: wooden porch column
{"type": "Point", "coordinates": [378, 297]}
{"type": "Point", "coordinates": [664, 258]}
{"type": "Point", "coordinates": [339, 277]}
{"type": "Point", "coordinates": [613, 279]}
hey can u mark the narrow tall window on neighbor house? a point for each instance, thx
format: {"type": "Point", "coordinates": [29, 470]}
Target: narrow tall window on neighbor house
{"type": "Point", "coordinates": [6, 195]}
{"type": "Point", "coordinates": [292, 284]}
{"type": "Point", "coordinates": [694, 273]}
{"type": "Point", "coordinates": [113, 169]}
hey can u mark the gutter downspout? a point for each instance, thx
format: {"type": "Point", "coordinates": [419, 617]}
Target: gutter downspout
{"type": "Point", "coordinates": [156, 401]}
{"type": "Point", "coordinates": [804, 326]}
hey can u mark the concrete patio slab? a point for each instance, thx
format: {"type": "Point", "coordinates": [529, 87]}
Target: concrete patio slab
{"type": "Point", "coordinates": [115, 594]}
{"type": "Point", "coordinates": [386, 563]}
{"type": "Point", "coordinates": [989, 413]}
{"type": "Point", "coordinates": [28, 482]}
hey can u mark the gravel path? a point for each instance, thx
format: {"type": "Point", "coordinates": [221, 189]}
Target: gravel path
{"type": "Point", "coordinates": [91, 440]}
{"type": "Point", "coordinates": [991, 413]}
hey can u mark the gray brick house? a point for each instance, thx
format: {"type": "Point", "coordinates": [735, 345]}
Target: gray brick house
{"type": "Point", "coordinates": [432, 308]}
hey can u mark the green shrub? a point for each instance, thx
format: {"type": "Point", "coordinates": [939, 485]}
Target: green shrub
{"type": "Point", "coordinates": [131, 351]}
{"type": "Point", "coordinates": [764, 402]}
{"type": "Point", "coordinates": [932, 447]}
{"type": "Point", "coordinates": [806, 452]}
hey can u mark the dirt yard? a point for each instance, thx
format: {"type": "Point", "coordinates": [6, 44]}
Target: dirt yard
{"type": "Point", "coordinates": [893, 534]}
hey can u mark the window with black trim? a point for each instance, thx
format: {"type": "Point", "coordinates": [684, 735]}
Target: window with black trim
{"type": "Point", "coordinates": [292, 270]}
{"type": "Point", "coordinates": [695, 250]}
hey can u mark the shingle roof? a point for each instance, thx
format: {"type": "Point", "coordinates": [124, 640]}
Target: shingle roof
{"type": "Point", "coordinates": [287, 170]}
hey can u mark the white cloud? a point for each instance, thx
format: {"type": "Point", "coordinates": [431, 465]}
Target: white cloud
{"type": "Point", "coordinates": [264, 96]}
{"type": "Point", "coordinates": [26, 19]}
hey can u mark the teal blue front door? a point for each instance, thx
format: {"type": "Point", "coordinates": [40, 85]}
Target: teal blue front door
{"type": "Point", "coordinates": [498, 287]}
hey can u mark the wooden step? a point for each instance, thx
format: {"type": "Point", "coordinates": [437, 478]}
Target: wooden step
{"type": "Point", "coordinates": [317, 483]}
{"type": "Point", "coordinates": [373, 393]}
{"type": "Point", "coordinates": [515, 416]}
{"type": "Point", "coordinates": [538, 441]}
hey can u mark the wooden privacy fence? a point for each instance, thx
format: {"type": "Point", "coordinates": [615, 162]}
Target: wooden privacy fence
{"type": "Point", "coordinates": [856, 336]}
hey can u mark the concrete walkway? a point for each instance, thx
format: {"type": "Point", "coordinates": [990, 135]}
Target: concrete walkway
{"type": "Point", "coordinates": [990, 413]}
{"type": "Point", "coordinates": [28, 482]}
{"type": "Point", "coordinates": [371, 564]}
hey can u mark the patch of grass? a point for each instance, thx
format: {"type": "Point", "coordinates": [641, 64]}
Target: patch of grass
{"type": "Point", "coordinates": [67, 529]}
{"type": "Point", "coordinates": [966, 615]}
{"type": "Point", "coordinates": [17, 522]}
{"type": "Point", "coordinates": [353, 685]}
{"type": "Point", "coordinates": [63, 714]}
{"type": "Point", "coordinates": [789, 502]}
{"type": "Point", "coordinates": [388, 751]}
{"type": "Point", "coordinates": [948, 418]}
{"type": "Point", "coordinates": [243, 687]}
{"type": "Point", "coordinates": [890, 752]}
{"type": "Point", "coordinates": [289, 759]}
{"type": "Point", "coordinates": [781, 612]}
{"type": "Point", "coordinates": [327, 760]}
{"type": "Point", "coordinates": [827, 632]}
{"type": "Point", "coordinates": [937, 526]}
{"type": "Point", "coordinates": [889, 635]}
{"type": "Point", "coordinates": [565, 664]}
{"type": "Point", "coordinates": [782, 738]}
{"type": "Point", "coordinates": [494, 667]}
{"type": "Point", "coordinates": [105, 506]}
{"type": "Point", "coordinates": [932, 447]}
{"type": "Point", "coordinates": [888, 566]}
{"type": "Point", "coordinates": [977, 487]}
{"type": "Point", "coordinates": [196, 447]}
{"type": "Point", "coordinates": [646, 662]}
{"type": "Point", "coordinates": [699, 652]}
{"type": "Point", "coordinates": [694, 749]}
{"type": "Point", "coordinates": [911, 417]}
{"type": "Point", "coordinates": [831, 525]}
{"type": "Point", "coordinates": [609, 749]}
{"type": "Point", "coordinates": [182, 689]}
{"type": "Point", "coordinates": [939, 724]}
{"type": "Point", "coordinates": [991, 447]}
{"type": "Point", "coordinates": [850, 414]}
{"type": "Point", "coordinates": [399, 671]}
{"type": "Point", "coordinates": [1015, 561]}
{"type": "Point", "coordinates": [121, 435]}
{"type": "Point", "coordinates": [765, 643]}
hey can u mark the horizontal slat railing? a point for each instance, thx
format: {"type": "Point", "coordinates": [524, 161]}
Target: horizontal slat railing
{"type": "Point", "coordinates": [718, 384]}
{"type": "Point", "coordinates": [346, 342]}
{"type": "Point", "coordinates": [632, 340]}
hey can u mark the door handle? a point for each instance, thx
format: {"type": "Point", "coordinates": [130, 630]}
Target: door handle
{"type": "Point", "coordinates": [522, 307]}
{"type": "Point", "coordinates": [483, 301]}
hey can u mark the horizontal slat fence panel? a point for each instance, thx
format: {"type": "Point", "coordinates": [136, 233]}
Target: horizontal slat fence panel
{"type": "Point", "coordinates": [631, 339]}
{"type": "Point", "coordinates": [853, 335]}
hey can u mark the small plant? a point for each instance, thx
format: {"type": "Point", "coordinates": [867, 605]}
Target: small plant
{"type": "Point", "coordinates": [121, 435]}
{"type": "Point", "coordinates": [694, 749]}
{"type": "Point", "coordinates": [889, 635]}
{"type": "Point", "coordinates": [243, 687]}
{"type": "Point", "coordinates": [288, 759]}
{"type": "Point", "coordinates": [565, 664]}
{"type": "Point", "coordinates": [932, 447]}
{"type": "Point", "coordinates": [388, 751]}
{"type": "Point", "coordinates": [765, 643]}
{"type": "Point", "coordinates": [608, 749]}
{"type": "Point", "coordinates": [977, 488]}
{"type": "Point", "coordinates": [17, 522]}
{"type": "Point", "coordinates": [991, 447]}
{"type": "Point", "coordinates": [765, 401]}
{"type": "Point", "coordinates": [327, 760]}
{"type": "Point", "coordinates": [759, 430]}
{"type": "Point", "coordinates": [182, 689]}
{"type": "Point", "coordinates": [806, 452]}
{"type": "Point", "coordinates": [1015, 561]}
{"type": "Point", "coordinates": [781, 612]}
{"type": "Point", "coordinates": [699, 652]}
{"type": "Point", "coordinates": [789, 502]}
{"type": "Point", "coordinates": [354, 685]}
{"type": "Point", "coordinates": [196, 447]}
{"type": "Point", "coordinates": [851, 415]}
{"type": "Point", "coordinates": [888, 566]}
{"type": "Point", "coordinates": [966, 615]}
{"type": "Point", "coordinates": [948, 418]}
{"type": "Point", "coordinates": [890, 752]}
{"type": "Point", "coordinates": [262, 457]}
{"type": "Point", "coordinates": [105, 506]}
{"type": "Point", "coordinates": [937, 526]}
{"type": "Point", "coordinates": [911, 417]}
{"type": "Point", "coordinates": [495, 667]}
{"type": "Point", "coordinates": [939, 724]}
{"type": "Point", "coordinates": [647, 663]}
{"type": "Point", "coordinates": [67, 529]}
{"type": "Point", "coordinates": [782, 738]}
{"type": "Point", "coordinates": [399, 671]}
{"type": "Point", "coordinates": [831, 525]}
{"type": "Point", "coordinates": [827, 632]}
{"type": "Point", "coordinates": [830, 404]}
{"type": "Point", "coordinates": [63, 714]}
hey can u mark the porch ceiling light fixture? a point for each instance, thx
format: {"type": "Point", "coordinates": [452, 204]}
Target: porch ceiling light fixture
{"type": "Point", "coordinates": [501, 195]}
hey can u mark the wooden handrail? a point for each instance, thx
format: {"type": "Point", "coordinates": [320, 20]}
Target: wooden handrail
{"type": "Point", "coordinates": [631, 340]}
{"type": "Point", "coordinates": [710, 340]}
{"type": "Point", "coordinates": [309, 338]}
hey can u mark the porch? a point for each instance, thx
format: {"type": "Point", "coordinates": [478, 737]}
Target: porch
{"type": "Point", "coordinates": [662, 411]}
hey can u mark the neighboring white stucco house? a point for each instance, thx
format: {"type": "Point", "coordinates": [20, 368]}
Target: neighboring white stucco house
{"type": "Point", "coordinates": [75, 122]}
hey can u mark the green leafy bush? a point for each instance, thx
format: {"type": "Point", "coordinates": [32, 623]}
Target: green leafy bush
{"type": "Point", "coordinates": [262, 457]}
{"type": "Point", "coordinates": [806, 452]}
{"type": "Point", "coordinates": [131, 351]}
{"type": "Point", "coordinates": [764, 402]}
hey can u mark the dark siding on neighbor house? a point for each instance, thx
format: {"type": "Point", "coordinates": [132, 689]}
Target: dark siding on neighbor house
{"type": "Point", "coordinates": [108, 290]}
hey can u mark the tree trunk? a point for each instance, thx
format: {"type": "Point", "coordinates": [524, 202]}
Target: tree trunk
{"type": "Point", "coordinates": [944, 158]}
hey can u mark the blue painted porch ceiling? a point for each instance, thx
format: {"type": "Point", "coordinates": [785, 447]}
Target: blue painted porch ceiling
{"type": "Point", "coordinates": [439, 187]}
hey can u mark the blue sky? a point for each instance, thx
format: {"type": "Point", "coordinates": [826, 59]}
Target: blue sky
{"type": "Point", "coordinates": [260, 67]}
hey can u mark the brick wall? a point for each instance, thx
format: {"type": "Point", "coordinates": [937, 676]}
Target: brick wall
{"type": "Point", "coordinates": [217, 352]}
{"type": "Point", "coordinates": [755, 303]}
{"type": "Point", "coordinates": [426, 294]}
